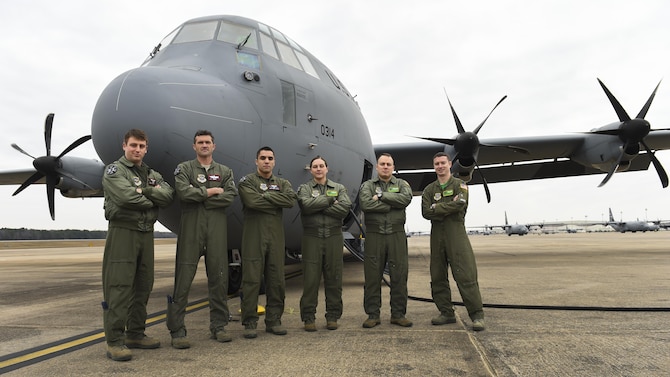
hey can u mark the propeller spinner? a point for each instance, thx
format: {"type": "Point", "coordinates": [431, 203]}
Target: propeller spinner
{"type": "Point", "coordinates": [49, 167]}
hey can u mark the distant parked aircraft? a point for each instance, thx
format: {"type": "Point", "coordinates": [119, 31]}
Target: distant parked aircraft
{"type": "Point", "coordinates": [519, 229]}
{"type": "Point", "coordinates": [632, 226]}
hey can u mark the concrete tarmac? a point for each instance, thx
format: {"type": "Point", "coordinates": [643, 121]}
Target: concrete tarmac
{"type": "Point", "coordinates": [50, 311]}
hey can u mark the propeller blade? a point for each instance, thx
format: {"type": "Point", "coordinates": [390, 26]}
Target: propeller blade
{"type": "Point", "coordinates": [657, 164]}
{"type": "Point", "coordinates": [48, 126]}
{"type": "Point", "coordinates": [620, 112]}
{"type": "Point", "coordinates": [487, 117]}
{"type": "Point", "coordinates": [484, 183]}
{"type": "Point", "coordinates": [74, 145]}
{"type": "Point", "coordinates": [615, 132]}
{"type": "Point", "coordinates": [459, 126]}
{"type": "Point", "coordinates": [645, 108]}
{"type": "Point", "coordinates": [438, 140]}
{"type": "Point", "coordinates": [51, 188]}
{"type": "Point", "coordinates": [22, 151]}
{"type": "Point", "coordinates": [32, 179]}
{"type": "Point", "coordinates": [614, 167]}
{"type": "Point", "coordinates": [50, 166]}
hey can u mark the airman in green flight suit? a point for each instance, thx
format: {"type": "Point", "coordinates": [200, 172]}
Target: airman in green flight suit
{"type": "Point", "coordinates": [205, 189]}
{"type": "Point", "coordinates": [323, 205]}
{"type": "Point", "coordinates": [264, 197]}
{"type": "Point", "coordinates": [133, 194]}
{"type": "Point", "coordinates": [383, 200]}
{"type": "Point", "coordinates": [445, 202]}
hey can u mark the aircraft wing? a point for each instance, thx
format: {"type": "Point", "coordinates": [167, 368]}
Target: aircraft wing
{"type": "Point", "coordinates": [16, 177]}
{"type": "Point", "coordinates": [627, 145]}
{"type": "Point", "coordinates": [516, 159]}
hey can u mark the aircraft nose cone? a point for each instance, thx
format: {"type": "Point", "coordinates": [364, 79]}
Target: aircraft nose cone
{"type": "Point", "coordinates": [170, 104]}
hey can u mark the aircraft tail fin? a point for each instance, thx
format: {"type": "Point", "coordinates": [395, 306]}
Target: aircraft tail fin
{"type": "Point", "coordinates": [611, 217]}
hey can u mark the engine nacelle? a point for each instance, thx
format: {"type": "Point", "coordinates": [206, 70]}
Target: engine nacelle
{"type": "Point", "coordinates": [463, 172]}
{"type": "Point", "coordinates": [603, 151]}
{"type": "Point", "coordinates": [88, 173]}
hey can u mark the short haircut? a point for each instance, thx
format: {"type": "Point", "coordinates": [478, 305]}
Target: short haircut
{"type": "Point", "coordinates": [441, 154]}
{"type": "Point", "coordinates": [385, 155]}
{"type": "Point", "coordinates": [318, 158]}
{"type": "Point", "coordinates": [202, 133]}
{"type": "Point", "coordinates": [135, 133]}
{"type": "Point", "coordinates": [265, 148]}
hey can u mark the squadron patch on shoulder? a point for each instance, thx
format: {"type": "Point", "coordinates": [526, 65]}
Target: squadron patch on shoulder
{"type": "Point", "coordinates": [111, 170]}
{"type": "Point", "coordinates": [243, 179]}
{"type": "Point", "coordinates": [177, 170]}
{"type": "Point", "coordinates": [464, 186]}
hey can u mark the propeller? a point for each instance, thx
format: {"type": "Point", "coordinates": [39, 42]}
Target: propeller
{"type": "Point", "coordinates": [49, 167]}
{"type": "Point", "coordinates": [632, 132]}
{"type": "Point", "coordinates": [466, 144]}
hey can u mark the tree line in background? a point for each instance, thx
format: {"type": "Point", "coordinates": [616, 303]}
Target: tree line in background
{"type": "Point", "coordinates": [66, 234]}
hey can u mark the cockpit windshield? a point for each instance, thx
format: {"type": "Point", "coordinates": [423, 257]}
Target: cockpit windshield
{"type": "Point", "coordinates": [198, 31]}
{"type": "Point", "coordinates": [238, 34]}
{"type": "Point", "coordinates": [263, 38]}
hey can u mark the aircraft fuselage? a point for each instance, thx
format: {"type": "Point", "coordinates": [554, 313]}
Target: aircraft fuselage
{"type": "Point", "coordinates": [251, 86]}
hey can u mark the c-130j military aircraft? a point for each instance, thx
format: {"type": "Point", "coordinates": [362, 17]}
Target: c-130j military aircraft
{"type": "Point", "coordinates": [252, 85]}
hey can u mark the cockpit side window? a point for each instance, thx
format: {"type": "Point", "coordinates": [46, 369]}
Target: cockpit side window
{"type": "Point", "coordinates": [198, 31]}
{"type": "Point", "coordinates": [269, 46]}
{"type": "Point", "coordinates": [281, 47]}
{"type": "Point", "coordinates": [278, 35]}
{"type": "Point", "coordinates": [168, 39]}
{"type": "Point", "coordinates": [238, 34]}
{"type": "Point", "coordinates": [288, 56]}
{"type": "Point", "coordinates": [306, 64]}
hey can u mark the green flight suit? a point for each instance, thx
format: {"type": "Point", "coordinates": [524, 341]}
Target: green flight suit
{"type": "Point", "coordinates": [128, 261]}
{"type": "Point", "coordinates": [322, 209]}
{"type": "Point", "coordinates": [385, 242]}
{"type": "Point", "coordinates": [263, 245]}
{"type": "Point", "coordinates": [450, 246]}
{"type": "Point", "coordinates": [203, 231]}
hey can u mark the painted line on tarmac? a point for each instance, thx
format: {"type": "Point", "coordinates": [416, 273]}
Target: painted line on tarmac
{"type": "Point", "coordinates": [48, 351]}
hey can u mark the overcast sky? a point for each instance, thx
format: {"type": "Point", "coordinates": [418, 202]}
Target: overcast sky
{"type": "Point", "coordinates": [398, 57]}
